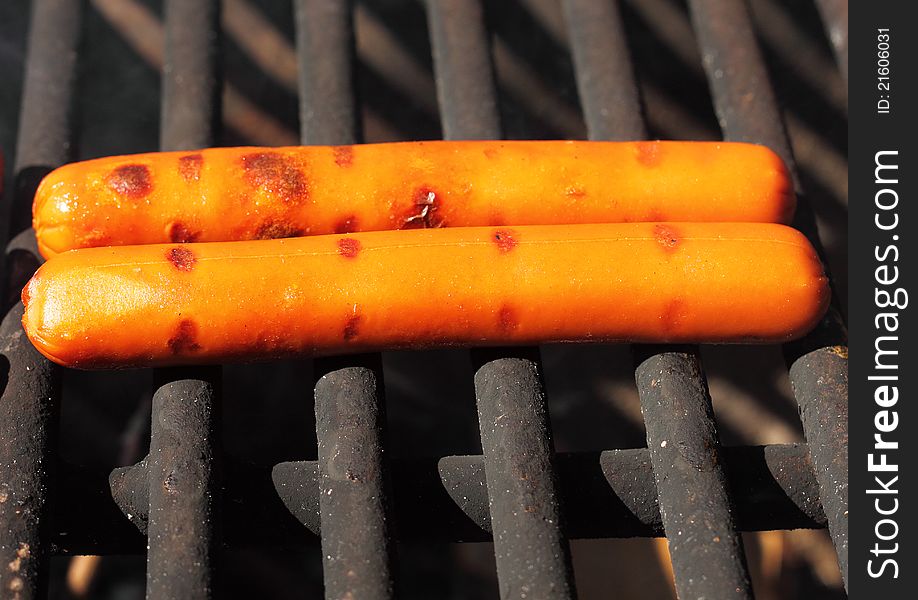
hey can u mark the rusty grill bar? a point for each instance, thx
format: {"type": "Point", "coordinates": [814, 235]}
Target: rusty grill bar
{"type": "Point", "coordinates": [174, 495]}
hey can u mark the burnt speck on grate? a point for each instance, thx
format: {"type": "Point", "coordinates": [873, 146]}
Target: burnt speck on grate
{"type": "Point", "coordinates": [169, 483]}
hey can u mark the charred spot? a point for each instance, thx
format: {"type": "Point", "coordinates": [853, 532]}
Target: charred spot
{"type": "Point", "coordinates": [348, 247]}
{"type": "Point", "coordinates": [649, 153]}
{"type": "Point", "coordinates": [351, 327]}
{"type": "Point", "coordinates": [672, 315]}
{"type": "Point", "coordinates": [181, 258]}
{"type": "Point", "coordinates": [180, 233]}
{"type": "Point", "coordinates": [505, 239]}
{"type": "Point", "coordinates": [424, 208]}
{"type": "Point", "coordinates": [272, 230]}
{"type": "Point", "coordinates": [490, 152]}
{"type": "Point", "coordinates": [185, 338]}
{"type": "Point", "coordinates": [130, 181]}
{"type": "Point", "coordinates": [507, 319]}
{"type": "Point", "coordinates": [347, 225]}
{"type": "Point", "coordinates": [344, 156]}
{"type": "Point", "coordinates": [276, 174]}
{"type": "Point", "coordinates": [666, 236]}
{"type": "Point", "coordinates": [189, 167]}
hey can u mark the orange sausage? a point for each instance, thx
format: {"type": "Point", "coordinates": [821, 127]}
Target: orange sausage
{"type": "Point", "coordinates": [227, 194]}
{"type": "Point", "coordinates": [222, 302]}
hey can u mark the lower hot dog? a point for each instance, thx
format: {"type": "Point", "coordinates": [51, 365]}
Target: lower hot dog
{"type": "Point", "coordinates": [244, 301]}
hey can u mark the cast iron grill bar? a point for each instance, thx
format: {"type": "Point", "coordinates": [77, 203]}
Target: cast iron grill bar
{"type": "Point", "coordinates": [190, 113]}
{"type": "Point", "coordinates": [694, 495]}
{"type": "Point", "coordinates": [834, 15]}
{"type": "Point", "coordinates": [607, 494]}
{"type": "Point", "coordinates": [695, 500]}
{"type": "Point", "coordinates": [531, 551]}
{"type": "Point", "coordinates": [464, 72]}
{"type": "Point", "coordinates": [748, 111]}
{"type": "Point", "coordinates": [325, 57]}
{"type": "Point", "coordinates": [357, 552]}
{"type": "Point", "coordinates": [183, 470]}
{"type": "Point", "coordinates": [30, 402]}
{"type": "Point", "coordinates": [605, 74]}
{"type": "Point", "coordinates": [182, 483]}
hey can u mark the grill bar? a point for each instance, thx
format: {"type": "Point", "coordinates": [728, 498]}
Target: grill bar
{"type": "Point", "coordinates": [29, 416]}
{"type": "Point", "coordinates": [695, 499]}
{"type": "Point", "coordinates": [466, 88]}
{"type": "Point", "coordinates": [605, 74]}
{"type": "Point", "coordinates": [356, 549]}
{"type": "Point", "coordinates": [184, 454]}
{"type": "Point", "coordinates": [182, 484]}
{"type": "Point", "coordinates": [608, 494]}
{"type": "Point", "coordinates": [325, 58]}
{"type": "Point", "coordinates": [357, 553]}
{"type": "Point", "coordinates": [531, 552]}
{"type": "Point", "coordinates": [190, 91]}
{"type": "Point", "coordinates": [835, 18]}
{"type": "Point", "coordinates": [30, 401]}
{"type": "Point", "coordinates": [748, 111]}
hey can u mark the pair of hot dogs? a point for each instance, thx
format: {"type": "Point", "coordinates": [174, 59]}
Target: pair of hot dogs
{"type": "Point", "coordinates": [416, 245]}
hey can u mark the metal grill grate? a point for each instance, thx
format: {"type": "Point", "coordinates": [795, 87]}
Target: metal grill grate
{"type": "Point", "coordinates": [519, 493]}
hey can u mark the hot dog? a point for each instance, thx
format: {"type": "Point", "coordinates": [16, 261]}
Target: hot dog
{"type": "Point", "coordinates": [241, 301]}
